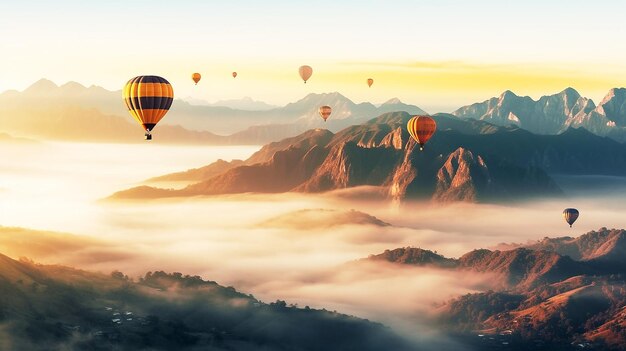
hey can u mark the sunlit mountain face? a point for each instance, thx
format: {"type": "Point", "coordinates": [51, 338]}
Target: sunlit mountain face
{"type": "Point", "coordinates": [294, 176]}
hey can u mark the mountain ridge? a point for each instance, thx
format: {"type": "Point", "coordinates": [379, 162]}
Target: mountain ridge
{"type": "Point", "coordinates": [543, 300]}
{"type": "Point", "coordinates": [464, 161]}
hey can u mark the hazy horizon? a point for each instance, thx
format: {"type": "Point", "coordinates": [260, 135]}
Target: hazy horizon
{"type": "Point", "coordinates": [438, 65]}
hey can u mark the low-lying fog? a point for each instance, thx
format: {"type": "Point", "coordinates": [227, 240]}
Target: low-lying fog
{"type": "Point", "coordinates": [295, 247]}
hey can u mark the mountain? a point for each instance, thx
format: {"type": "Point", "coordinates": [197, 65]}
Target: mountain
{"type": "Point", "coordinates": [516, 269]}
{"type": "Point", "coordinates": [544, 300]}
{"type": "Point", "coordinates": [548, 115]}
{"type": "Point", "coordinates": [609, 118]}
{"type": "Point", "coordinates": [414, 256]}
{"type": "Point", "coordinates": [75, 112]}
{"type": "Point", "coordinates": [61, 308]}
{"type": "Point", "coordinates": [463, 176]}
{"type": "Point", "coordinates": [321, 219]}
{"type": "Point", "coordinates": [596, 247]}
{"type": "Point", "coordinates": [246, 103]}
{"type": "Point", "coordinates": [464, 161]}
{"type": "Point", "coordinates": [553, 114]}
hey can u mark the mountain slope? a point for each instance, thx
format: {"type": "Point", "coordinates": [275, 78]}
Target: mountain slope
{"type": "Point", "coordinates": [54, 307]}
{"type": "Point", "coordinates": [544, 300]}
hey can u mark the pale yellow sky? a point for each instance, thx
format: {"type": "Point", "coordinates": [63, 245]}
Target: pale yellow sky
{"type": "Point", "coordinates": [437, 55]}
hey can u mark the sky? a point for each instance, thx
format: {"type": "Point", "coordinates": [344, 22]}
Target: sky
{"type": "Point", "coordinates": [438, 55]}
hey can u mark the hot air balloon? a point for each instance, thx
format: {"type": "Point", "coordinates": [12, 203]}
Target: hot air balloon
{"type": "Point", "coordinates": [305, 72]}
{"type": "Point", "coordinates": [234, 74]}
{"type": "Point", "coordinates": [421, 129]}
{"type": "Point", "coordinates": [196, 77]}
{"type": "Point", "coordinates": [325, 112]}
{"type": "Point", "coordinates": [148, 99]}
{"type": "Point", "coordinates": [370, 81]}
{"type": "Point", "coordinates": [570, 215]}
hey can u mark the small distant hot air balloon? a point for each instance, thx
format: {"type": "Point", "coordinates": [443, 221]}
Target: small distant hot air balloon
{"type": "Point", "coordinates": [370, 81]}
{"type": "Point", "coordinates": [421, 129]}
{"type": "Point", "coordinates": [305, 72]}
{"type": "Point", "coordinates": [148, 99]}
{"type": "Point", "coordinates": [325, 112]}
{"type": "Point", "coordinates": [570, 215]}
{"type": "Point", "coordinates": [196, 77]}
{"type": "Point", "coordinates": [234, 74]}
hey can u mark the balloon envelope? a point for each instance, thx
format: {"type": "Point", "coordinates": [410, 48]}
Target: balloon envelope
{"type": "Point", "coordinates": [234, 74]}
{"type": "Point", "coordinates": [305, 72]}
{"type": "Point", "coordinates": [570, 215]}
{"type": "Point", "coordinates": [370, 81]}
{"type": "Point", "coordinates": [148, 99]}
{"type": "Point", "coordinates": [196, 77]}
{"type": "Point", "coordinates": [421, 129]}
{"type": "Point", "coordinates": [325, 112]}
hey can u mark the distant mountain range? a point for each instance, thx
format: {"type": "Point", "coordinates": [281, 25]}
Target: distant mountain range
{"type": "Point", "coordinates": [554, 114]}
{"type": "Point", "coordinates": [75, 112]}
{"type": "Point", "coordinates": [464, 161]}
{"type": "Point", "coordinates": [555, 294]}
{"type": "Point", "coordinates": [61, 308]}
{"type": "Point", "coordinates": [245, 103]}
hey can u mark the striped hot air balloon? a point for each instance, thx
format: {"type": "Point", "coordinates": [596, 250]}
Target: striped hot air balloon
{"type": "Point", "coordinates": [325, 112]}
{"type": "Point", "coordinates": [370, 81]}
{"type": "Point", "coordinates": [570, 215]}
{"type": "Point", "coordinates": [148, 99]}
{"type": "Point", "coordinates": [421, 129]}
{"type": "Point", "coordinates": [196, 77]}
{"type": "Point", "coordinates": [234, 74]}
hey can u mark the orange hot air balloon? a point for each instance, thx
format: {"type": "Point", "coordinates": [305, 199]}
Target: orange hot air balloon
{"type": "Point", "coordinates": [305, 72]}
{"type": "Point", "coordinates": [370, 81]}
{"type": "Point", "coordinates": [234, 74]}
{"type": "Point", "coordinates": [148, 99]}
{"type": "Point", "coordinates": [196, 77]}
{"type": "Point", "coordinates": [421, 129]}
{"type": "Point", "coordinates": [325, 112]}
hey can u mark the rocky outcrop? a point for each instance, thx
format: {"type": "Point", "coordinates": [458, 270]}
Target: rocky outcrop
{"type": "Point", "coordinates": [463, 177]}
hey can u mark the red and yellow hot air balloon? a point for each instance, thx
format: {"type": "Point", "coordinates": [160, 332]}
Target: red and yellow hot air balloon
{"type": "Point", "coordinates": [305, 72]}
{"type": "Point", "coordinates": [196, 77]}
{"type": "Point", "coordinates": [234, 74]}
{"type": "Point", "coordinates": [421, 129]}
{"type": "Point", "coordinates": [325, 112]}
{"type": "Point", "coordinates": [370, 81]}
{"type": "Point", "coordinates": [148, 99]}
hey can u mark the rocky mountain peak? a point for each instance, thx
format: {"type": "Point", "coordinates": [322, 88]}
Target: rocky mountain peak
{"type": "Point", "coordinates": [462, 177]}
{"type": "Point", "coordinates": [392, 101]}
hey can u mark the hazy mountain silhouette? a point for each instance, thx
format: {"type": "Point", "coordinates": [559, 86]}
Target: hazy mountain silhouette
{"type": "Point", "coordinates": [76, 112]}
{"type": "Point", "coordinates": [245, 103]}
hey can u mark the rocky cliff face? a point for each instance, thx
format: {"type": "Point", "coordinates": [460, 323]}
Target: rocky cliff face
{"type": "Point", "coordinates": [462, 177]}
